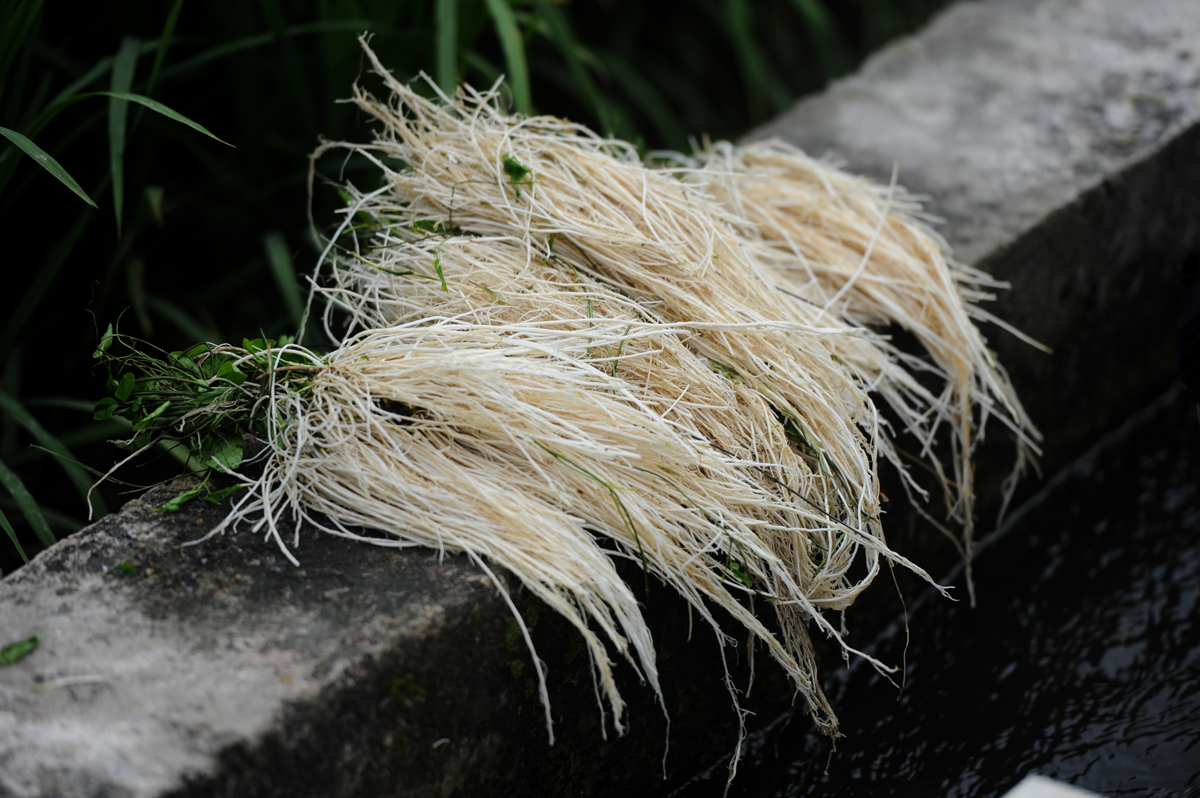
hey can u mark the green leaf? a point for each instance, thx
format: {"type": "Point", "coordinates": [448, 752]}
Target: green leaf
{"type": "Point", "coordinates": [125, 386]}
{"type": "Point", "coordinates": [285, 274]}
{"type": "Point", "coordinates": [437, 267]}
{"type": "Point", "coordinates": [16, 411]}
{"type": "Point", "coordinates": [148, 419]}
{"type": "Point", "coordinates": [179, 318]}
{"type": "Point", "coordinates": [264, 39]}
{"type": "Point", "coordinates": [446, 23]}
{"type": "Point", "coordinates": [164, 110]}
{"type": "Point", "coordinates": [29, 508]}
{"type": "Point", "coordinates": [12, 653]}
{"type": "Point", "coordinates": [173, 505]}
{"type": "Point", "coordinates": [105, 342]}
{"type": "Point", "coordinates": [16, 26]}
{"type": "Point", "coordinates": [514, 53]}
{"type": "Point", "coordinates": [118, 113]}
{"type": "Point", "coordinates": [43, 278]}
{"type": "Point", "coordinates": [48, 163]}
{"type": "Point", "coordinates": [514, 169]}
{"type": "Point", "coordinates": [153, 105]}
{"type": "Point", "coordinates": [123, 568]}
{"type": "Point", "coordinates": [759, 81]}
{"type": "Point", "coordinates": [256, 345]}
{"type": "Point", "coordinates": [229, 371]}
{"type": "Point", "coordinates": [570, 49]}
{"type": "Point", "coordinates": [824, 35]}
{"type": "Point", "coordinates": [647, 98]}
{"type": "Point", "coordinates": [739, 571]}
{"type": "Point", "coordinates": [226, 453]}
{"type": "Point", "coordinates": [104, 409]}
{"type": "Point", "coordinates": [164, 42]}
{"type": "Point", "coordinates": [218, 496]}
{"type": "Point", "coordinates": [12, 535]}
{"type": "Point", "coordinates": [154, 198]}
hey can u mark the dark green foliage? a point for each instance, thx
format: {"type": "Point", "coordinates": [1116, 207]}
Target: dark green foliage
{"type": "Point", "coordinates": [195, 241]}
{"type": "Point", "coordinates": [203, 398]}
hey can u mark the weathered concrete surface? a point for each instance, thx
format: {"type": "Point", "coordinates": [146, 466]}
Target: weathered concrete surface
{"type": "Point", "coordinates": [1059, 138]}
{"type": "Point", "coordinates": [221, 669]}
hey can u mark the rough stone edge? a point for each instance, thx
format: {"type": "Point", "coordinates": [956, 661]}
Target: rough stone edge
{"type": "Point", "coordinates": [1112, 198]}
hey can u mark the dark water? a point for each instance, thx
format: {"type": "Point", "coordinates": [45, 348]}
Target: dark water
{"type": "Point", "coordinates": [1081, 661]}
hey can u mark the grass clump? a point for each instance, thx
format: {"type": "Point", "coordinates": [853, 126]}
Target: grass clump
{"type": "Point", "coordinates": [544, 343]}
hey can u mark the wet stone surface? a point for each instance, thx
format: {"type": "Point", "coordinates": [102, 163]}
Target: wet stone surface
{"type": "Point", "coordinates": [1081, 661]}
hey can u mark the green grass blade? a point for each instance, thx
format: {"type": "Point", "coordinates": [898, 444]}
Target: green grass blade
{"type": "Point", "coordinates": [66, 403]}
{"type": "Point", "coordinates": [59, 105]}
{"type": "Point", "coordinates": [738, 16]}
{"type": "Point", "coordinates": [135, 282]}
{"type": "Point", "coordinates": [446, 25]}
{"type": "Point", "coordinates": [42, 280]}
{"type": "Point", "coordinates": [60, 520]}
{"type": "Point", "coordinates": [12, 535]}
{"type": "Point", "coordinates": [285, 274]}
{"type": "Point", "coordinates": [46, 162]}
{"type": "Point", "coordinates": [647, 98]}
{"type": "Point", "coordinates": [14, 86]}
{"type": "Point", "coordinates": [514, 53]}
{"type": "Point", "coordinates": [157, 107]}
{"type": "Point", "coordinates": [486, 68]}
{"type": "Point", "coordinates": [29, 507]}
{"type": "Point", "coordinates": [16, 27]}
{"type": "Point", "coordinates": [118, 115]}
{"type": "Point", "coordinates": [178, 318]}
{"type": "Point", "coordinates": [292, 73]}
{"type": "Point", "coordinates": [164, 43]}
{"type": "Point", "coordinates": [14, 369]}
{"type": "Point", "coordinates": [92, 432]}
{"type": "Point", "coordinates": [154, 199]}
{"type": "Point", "coordinates": [99, 70]}
{"type": "Point", "coordinates": [569, 47]}
{"type": "Point", "coordinates": [264, 39]}
{"type": "Point", "coordinates": [61, 101]}
{"type": "Point", "coordinates": [36, 102]}
{"type": "Point", "coordinates": [17, 412]}
{"type": "Point", "coordinates": [830, 50]}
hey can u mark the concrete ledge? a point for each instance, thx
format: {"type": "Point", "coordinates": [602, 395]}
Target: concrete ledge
{"type": "Point", "coordinates": [1061, 141]}
{"type": "Point", "coordinates": [220, 669]}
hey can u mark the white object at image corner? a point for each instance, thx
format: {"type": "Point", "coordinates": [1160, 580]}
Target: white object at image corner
{"type": "Point", "coordinates": [1033, 786]}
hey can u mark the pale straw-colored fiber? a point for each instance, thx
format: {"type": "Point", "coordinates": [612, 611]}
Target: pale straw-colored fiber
{"type": "Point", "coordinates": [558, 355]}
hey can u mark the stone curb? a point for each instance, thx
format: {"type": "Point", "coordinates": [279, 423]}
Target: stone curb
{"type": "Point", "coordinates": [1060, 140]}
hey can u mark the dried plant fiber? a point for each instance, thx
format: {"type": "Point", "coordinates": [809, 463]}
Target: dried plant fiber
{"type": "Point", "coordinates": [558, 355]}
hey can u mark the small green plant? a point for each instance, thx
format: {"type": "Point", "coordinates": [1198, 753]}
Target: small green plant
{"type": "Point", "coordinates": [201, 491]}
{"type": "Point", "coordinates": [517, 174]}
{"type": "Point", "coordinates": [14, 652]}
{"type": "Point", "coordinates": [123, 568]}
{"type": "Point", "coordinates": [204, 397]}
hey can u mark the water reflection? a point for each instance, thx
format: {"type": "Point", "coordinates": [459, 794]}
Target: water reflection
{"type": "Point", "coordinates": [1081, 662]}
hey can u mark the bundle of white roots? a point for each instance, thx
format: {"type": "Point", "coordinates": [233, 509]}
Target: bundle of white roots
{"type": "Point", "coordinates": [559, 356]}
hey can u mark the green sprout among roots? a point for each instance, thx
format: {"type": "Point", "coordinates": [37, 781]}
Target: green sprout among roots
{"type": "Point", "coordinates": [205, 397]}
